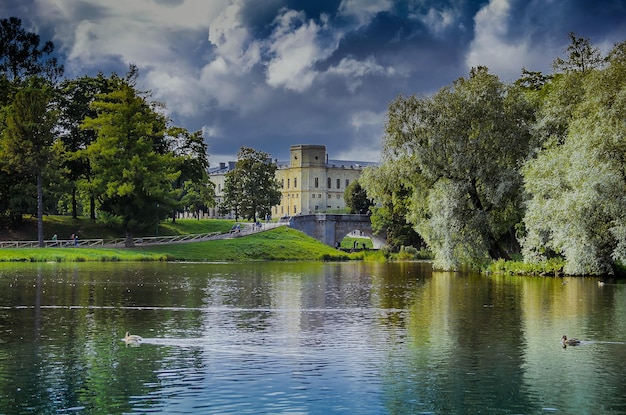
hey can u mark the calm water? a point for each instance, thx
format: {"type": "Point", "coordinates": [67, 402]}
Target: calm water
{"type": "Point", "coordinates": [297, 338]}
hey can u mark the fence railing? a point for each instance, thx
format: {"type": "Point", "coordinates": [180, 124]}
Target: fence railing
{"type": "Point", "coordinates": [246, 229]}
{"type": "Point", "coordinates": [158, 240]}
{"type": "Point", "coordinates": [120, 242]}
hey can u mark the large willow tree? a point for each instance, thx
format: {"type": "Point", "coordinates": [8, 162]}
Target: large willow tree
{"type": "Point", "coordinates": [460, 152]}
{"type": "Point", "coordinates": [577, 182]}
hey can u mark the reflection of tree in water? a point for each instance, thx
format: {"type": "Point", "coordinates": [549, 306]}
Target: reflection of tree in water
{"type": "Point", "coordinates": [464, 353]}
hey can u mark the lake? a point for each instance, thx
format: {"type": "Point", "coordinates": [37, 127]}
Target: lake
{"type": "Point", "coordinates": [306, 338]}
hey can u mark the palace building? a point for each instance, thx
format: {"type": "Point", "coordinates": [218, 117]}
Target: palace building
{"type": "Point", "coordinates": [310, 181]}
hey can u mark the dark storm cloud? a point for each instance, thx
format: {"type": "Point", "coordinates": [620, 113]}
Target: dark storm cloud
{"type": "Point", "coordinates": [268, 74]}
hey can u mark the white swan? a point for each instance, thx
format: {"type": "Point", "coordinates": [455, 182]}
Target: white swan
{"type": "Point", "coordinates": [132, 338]}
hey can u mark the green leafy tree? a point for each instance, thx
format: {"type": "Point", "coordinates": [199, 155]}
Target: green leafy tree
{"type": "Point", "coordinates": [581, 56]}
{"type": "Point", "coordinates": [22, 56]}
{"type": "Point", "coordinates": [356, 198]}
{"type": "Point", "coordinates": [385, 184]}
{"type": "Point", "coordinates": [22, 59]}
{"type": "Point", "coordinates": [460, 152]}
{"type": "Point", "coordinates": [251, 188]}
{"type": "Point", "coordinates": [75, 99]}
{"type": "Point", "coordinates": [577, 184]}
{"type": "Point", "coordinates": [132, 170]}
{"type": "Point", "coordinates": [197, 190]}
{"type": "Point", "coordinates": [233, 195]}
{"type": "Point", "coordinates": [27, 142]}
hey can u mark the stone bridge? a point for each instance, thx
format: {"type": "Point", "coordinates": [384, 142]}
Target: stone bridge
{"type": "Point", "coordinates": [330, 229]}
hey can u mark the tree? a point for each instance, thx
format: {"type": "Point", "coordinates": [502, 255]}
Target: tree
{"type": "Point", "coordinates": [577, 184]}
{"type": "Point", "coordinates": [251, 188]}
{"type": "Point", "coordinates": [197, 190]}
{"type": "Point", "coordinates": [132, 170]}
{"type": "Point", "coordinates": [581, 56]}
{"type": "Point", "coordinates": [460, 151]}
{"type": "Point", "coordinates": [386, 186]}
{"type": "Point", "coordinates": [21, 56]}
{"type": "Point", "coordinates": [356, 198]}
{"type": "Point", "coordinates": [75, 99]}
{"type": "Point", "coordinates": [24, 64]}
{"type": "Point", "coordinates": [28, 137]}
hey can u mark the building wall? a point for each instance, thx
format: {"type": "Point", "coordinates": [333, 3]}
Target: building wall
{"type": "Point", "coordinates": [310, 182]}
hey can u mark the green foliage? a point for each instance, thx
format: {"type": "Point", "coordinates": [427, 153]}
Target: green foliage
{"type": "Point", "coordinates": [197, 192]}
{"type": "Point", "coordinates": [251, 188]}
{"type": "Point", "coordinates": [459, 151]}
{"type": "Point", "coordinates": [550, 267]}
{"type": "Point", "coordinates": [75, 99]}
{"type": "Point", "coordinates": [27, 139]}
{"type": "Point", "coordinates": [388, 186]}
{"type": "Point", "coordinates": [21, 55]}
{"type": "Point", "coordinates": [356, 198]}
{"type": "Point", "coordinates": [132, 170]}
{"type": "Point", "coordinates": [581, 56]}
{"type": "Point", "coordinates": [577, 182]}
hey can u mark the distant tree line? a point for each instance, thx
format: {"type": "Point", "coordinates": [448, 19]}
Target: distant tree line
{"type": "Point", "coordinates": [90, 145]}
{"type": "Point", "coordinates": [536, 169]}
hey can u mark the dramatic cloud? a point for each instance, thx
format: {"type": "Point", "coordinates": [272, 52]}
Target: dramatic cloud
{"type": "Point", "coordinates": [271, 73]}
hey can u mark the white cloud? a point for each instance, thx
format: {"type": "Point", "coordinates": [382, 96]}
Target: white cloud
{"type": "Point", "coordinates": [353, 70]}
{"type": "Point", "coordinates": [181, 91]}
{"type": "Point", "coordinates": [232, 40]}
{"type": "Point", "coordinates": [137, 31]}
{"type": "Point", "coordinates": [492, 46]}
{"type": "Point", "coordinates": [438, 21]}
{"type": "Point", "coordinates": [296, 48]}
{"type": "Point", "coordinates": [367, 120]}
{"type": "Point", "coordinates": [363, 10]}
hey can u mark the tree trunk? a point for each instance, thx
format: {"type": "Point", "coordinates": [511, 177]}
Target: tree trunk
{"type": "Point", "coordinates": [129, 240]}
{"type": "Point", "coordinates": [40, 209]}
{"type": "Point", "coordinates": [92, 207]}
{"type": "Point", "coordinates": [74, 204]}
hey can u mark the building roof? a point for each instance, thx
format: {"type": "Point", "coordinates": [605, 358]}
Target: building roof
{"type": "Point", "coordinates": [224, 168]}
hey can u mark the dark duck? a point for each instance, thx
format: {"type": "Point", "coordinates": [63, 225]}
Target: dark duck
{"type": "Point", "coordinates": [569, 342]}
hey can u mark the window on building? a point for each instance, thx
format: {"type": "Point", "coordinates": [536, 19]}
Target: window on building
{"type": "Point", "coordinates": [313, 195]}
{"type": "Point", "coordinates": [338, 183]}
{"type": "Point", "coordinates": [295, 182]}
{"type": "Point", "coordinates": [294, 209]}
{"type": "Point", "coordinates": [282, 183]}
{"type": "Point", "coordinates": [329, 183]}
{"type": "Point", "coordinates": [339, 196]}
{"type": "Point", "coordinates": [319, 195]}
{"type": "Point", "coordinates": [317, 182]}
{"type": "Point", "coordinates": [347, 182]}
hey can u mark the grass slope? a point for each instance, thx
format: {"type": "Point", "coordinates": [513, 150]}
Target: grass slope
{"type": "Point", "coordinates": [278, 244]}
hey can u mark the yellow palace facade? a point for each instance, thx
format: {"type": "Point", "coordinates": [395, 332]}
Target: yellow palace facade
{"type": "Point", "coordinates": [310, 181]}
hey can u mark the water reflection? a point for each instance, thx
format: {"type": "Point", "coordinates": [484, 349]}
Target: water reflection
{"type": "Point", "coordinates": [305, 338]}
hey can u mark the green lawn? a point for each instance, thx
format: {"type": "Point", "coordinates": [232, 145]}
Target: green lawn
{"type": "Point", "coordinates": [282, 243]}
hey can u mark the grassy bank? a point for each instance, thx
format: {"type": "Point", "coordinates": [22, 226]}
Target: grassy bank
{"type": "Point", "coordinates": [282, 244]}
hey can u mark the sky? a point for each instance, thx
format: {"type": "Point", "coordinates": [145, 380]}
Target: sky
{"type": "Point", "coordinates": [267, 74]}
